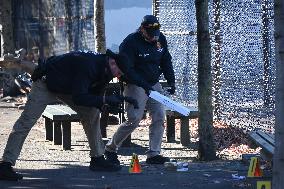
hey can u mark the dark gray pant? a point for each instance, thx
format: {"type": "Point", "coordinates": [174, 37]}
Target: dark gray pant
{"type": "Point", "coordinates": [134, 116]}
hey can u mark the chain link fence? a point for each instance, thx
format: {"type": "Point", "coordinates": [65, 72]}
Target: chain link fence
{"type": "Point", "coordinates": [243, 61]}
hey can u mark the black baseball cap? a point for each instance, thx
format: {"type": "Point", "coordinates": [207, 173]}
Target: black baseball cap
{"type": "Point", "coordinates": [151, 25]}
{"type": "Point", "coordinates": [120, 59]}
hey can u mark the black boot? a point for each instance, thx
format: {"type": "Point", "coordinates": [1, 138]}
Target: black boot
{"type": "Point", "coordinates": [100, 164]}
{"type": "Point", "coordinates": [112, 157]}
{"type": "Point", "coordinates": [7, 172]}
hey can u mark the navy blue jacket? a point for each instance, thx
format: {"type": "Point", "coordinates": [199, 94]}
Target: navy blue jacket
{"type": "Point", "coordinates": [149, 60]}
{"type": "Point", "coordinates": [79, 74]}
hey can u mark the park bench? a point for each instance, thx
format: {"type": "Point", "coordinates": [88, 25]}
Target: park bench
{"type": "Point", "coordinates": [184, 125]}
{"type": "Point", "coordinates": [264, 140]}
{"type": "Point", "coordinates": [58, 120]}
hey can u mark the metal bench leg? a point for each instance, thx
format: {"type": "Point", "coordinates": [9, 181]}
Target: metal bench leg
{"type": "Point", "coordinates": [184, 131]}
{"type": "Point", "coordinates": [57, 133]}
{"type": "Point", "coordinates": [171, 129]}
{"type": "Point", "coordinates": [48, 129]}
{"type": "Point", "coordinates": [66, 129]}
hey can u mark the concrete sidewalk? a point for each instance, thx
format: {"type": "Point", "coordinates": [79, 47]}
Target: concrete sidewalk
{"type": "Point", "coordinates": [48, 167]}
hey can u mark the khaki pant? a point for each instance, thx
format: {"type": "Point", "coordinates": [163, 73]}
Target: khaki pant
{"type": "Point", "coordinates": [134, 116]}
{"type": "Point", "coordinates": [38, 99]}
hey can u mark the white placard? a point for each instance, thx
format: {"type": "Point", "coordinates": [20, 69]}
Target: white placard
{"type": "Point", "coordinates": [170, 103]}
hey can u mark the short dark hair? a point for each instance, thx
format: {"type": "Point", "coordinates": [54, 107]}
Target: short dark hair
{"type": "Point", "coordinates": [120, 59]}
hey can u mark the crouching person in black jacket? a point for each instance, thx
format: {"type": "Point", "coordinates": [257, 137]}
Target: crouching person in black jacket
{"type": "Point", "coordinates": [72, 78]}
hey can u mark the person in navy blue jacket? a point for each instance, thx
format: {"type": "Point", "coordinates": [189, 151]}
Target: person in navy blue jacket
{"type": "Point", "coordinates": [149, 57]}
{"type": "Point", "coordinates": [77, 79]}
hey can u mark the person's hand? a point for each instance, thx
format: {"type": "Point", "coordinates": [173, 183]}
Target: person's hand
{"type": "Point", "coordinates": [172, 89]}
{"type": "Point", "coordinates": [148, 90]}
{"type": "Point", "coordinates": [37, 74]}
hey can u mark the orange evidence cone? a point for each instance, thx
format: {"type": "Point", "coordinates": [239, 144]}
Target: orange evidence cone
{"type": "Point", "coordinates": [258, 171]}
{"type": "Point", "coordinates": [135, 167]}
{"type": "Point", "coordinates": [254, 168]}
{"type": "Point", "coordinates": [131, 164]}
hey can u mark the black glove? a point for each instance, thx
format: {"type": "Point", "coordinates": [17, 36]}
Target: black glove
{"type": "Point", "coordinates": [148, 90]}
{"type": "Point", "coordinates": [172, 89]}
{"type": "Point", "coordinates": [39, 71]}
{"type": "Point", "coordinates": [114, 100]}
{"type": "Point", "coordinates": [37, 74]}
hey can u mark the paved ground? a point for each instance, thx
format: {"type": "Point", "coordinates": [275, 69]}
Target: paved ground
{"type": "Point", "coordinates": [48, 167]}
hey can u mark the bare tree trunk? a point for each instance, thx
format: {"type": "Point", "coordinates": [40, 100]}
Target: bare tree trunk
{"type": "Point", "coordinates": [77, 38]}
{"type": "Point", "coordinates": [42, 34]}
{"type": "Point", "coordinates": [69, 27]}
{"type": "Point", "coordinates": [278, 161]}
{"type": "Point", "coordinates": [46, 34]}
{"type": "Point", "coordinates": [206, 149]}
{"type": "Point", "coordinates": [7, 26]}
{"type": "Point", "coordinates": [99, 18]}
{"type": "Point", "coordinates": [217, 60]}
{"type": "Point", "coordinates": [265, 47]}
{"type": "Point", "coordinates": [1, 42]}
{"type": "Point", "coordinates": [8, 76]}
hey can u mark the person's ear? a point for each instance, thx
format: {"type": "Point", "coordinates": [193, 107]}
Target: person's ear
{"type": "Point", "coordinates": [111, 61]}
{"type": "Point", "coordinates": [142, 29]}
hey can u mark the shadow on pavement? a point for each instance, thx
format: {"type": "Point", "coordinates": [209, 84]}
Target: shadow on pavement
{"type": "Point", "coordinates": [200, 175]}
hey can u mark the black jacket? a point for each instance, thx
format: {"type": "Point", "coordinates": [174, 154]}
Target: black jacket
{"type": "Point", "coordinates": [79, 74]}
{"type": "Point", "coordinates": [149, 60]}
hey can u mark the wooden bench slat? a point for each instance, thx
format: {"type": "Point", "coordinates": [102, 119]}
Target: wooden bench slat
{"type": "Point", "coordinates": [266, 146]}
{"type": "Point", "coordinates": [54, 114]}
{"type": "Point", "coordinates": [67, 110]}
{"type": "Point", "coordinates": [266, 136]}
{"type": "Point", "coordinates": [57, 115]}
{"type": "Point", "coordinates": [192, 110]}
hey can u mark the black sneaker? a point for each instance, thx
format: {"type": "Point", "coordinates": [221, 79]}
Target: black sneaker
{"type": "Point", "coordinates": [101, 164]}
{"type": "Point", "coordinates": [112, 157]}
{"type": "Point", "coordinates": [8, 173]}
{"type": "Point", "coordinates": [158, 159]}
